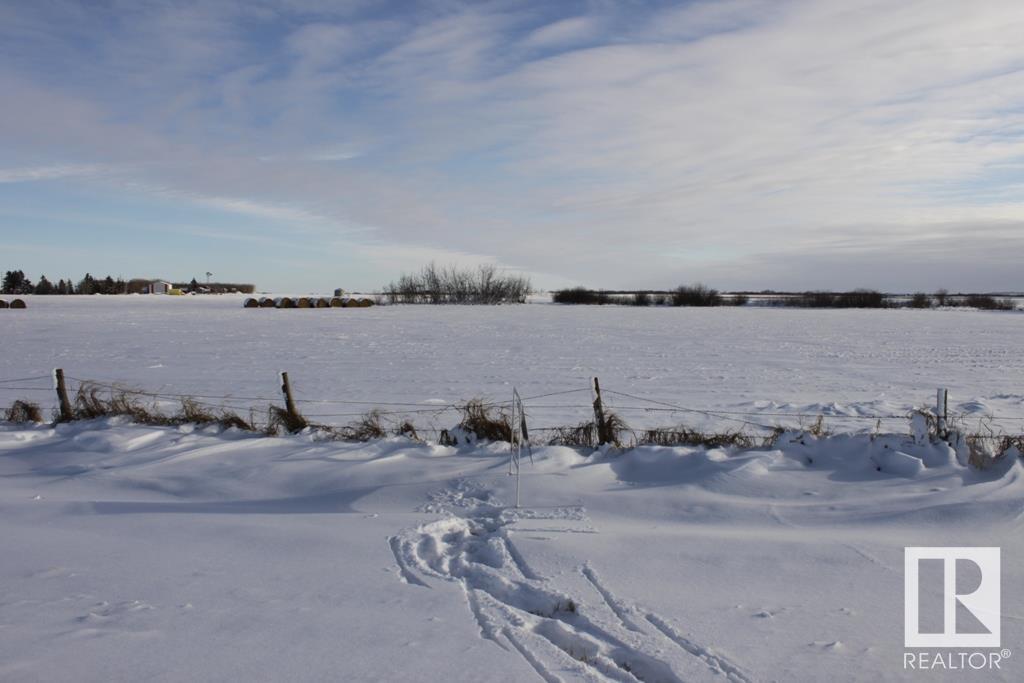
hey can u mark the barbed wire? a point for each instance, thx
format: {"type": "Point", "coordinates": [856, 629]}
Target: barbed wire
{"type": "Point", "coordinates": [24, 379]}
{"type": "Point", "coordinates": [407, 407]}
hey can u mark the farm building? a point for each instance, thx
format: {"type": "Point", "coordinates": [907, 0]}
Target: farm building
{"type": "Point", "coordinates": [159, 287]}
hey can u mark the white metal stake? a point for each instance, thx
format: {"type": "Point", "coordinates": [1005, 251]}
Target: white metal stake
{"type": "Point", "coordinates": [515, 448]}
{"type": "Point", "coordinates": [942, 411]}
{"type": "Point", "coordinates": [512, 445]}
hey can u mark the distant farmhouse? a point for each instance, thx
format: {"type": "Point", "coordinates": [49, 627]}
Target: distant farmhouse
{"type": "Point", "coordinates": [157, 286]}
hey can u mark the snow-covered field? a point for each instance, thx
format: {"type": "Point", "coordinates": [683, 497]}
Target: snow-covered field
{"type": "Point", "coordinates": [139, 553]}
{"type": "Point", "coordinates": [757, 360]}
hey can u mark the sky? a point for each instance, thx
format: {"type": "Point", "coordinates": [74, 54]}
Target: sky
{"type": "Point", "coordinates": [305, 145]}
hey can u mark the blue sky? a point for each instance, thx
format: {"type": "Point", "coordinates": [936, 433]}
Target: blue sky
{"type": "Point", "coordinates": [308, 144]}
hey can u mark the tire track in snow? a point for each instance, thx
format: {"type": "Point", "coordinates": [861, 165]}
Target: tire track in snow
{"type": "Point", "coordinates": [613, 604]}
{"type": "Point", "coordinates": [555, 631]}
{"type": "Point", "coordinates": [713, 660]}
{"type": "Point", "coordinates": [404, 574]}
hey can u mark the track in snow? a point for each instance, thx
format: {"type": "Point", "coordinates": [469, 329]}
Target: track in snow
{"type": "Point", "coordinates": [588, 634]}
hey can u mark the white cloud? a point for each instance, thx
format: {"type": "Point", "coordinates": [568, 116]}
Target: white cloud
{"type": "Point", "coordinates": [51, 172]}
{"type": "Point", "coordinates": [710, 137]}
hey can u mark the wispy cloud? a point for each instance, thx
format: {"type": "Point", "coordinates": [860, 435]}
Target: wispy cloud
{"type": "Point", "coordinates": [51, 172]}
{"type": "Point", "coordinates": [603, 143]}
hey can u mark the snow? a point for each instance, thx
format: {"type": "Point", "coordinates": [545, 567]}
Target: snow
{"type": "Point", "coordinates": [847, 365]}
{"type": "Point", "coordinates": [135, 553]}
{"type": "Point", "coordinates": [152, 553]}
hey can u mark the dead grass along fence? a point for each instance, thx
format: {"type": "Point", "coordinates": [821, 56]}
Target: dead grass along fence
{"type": "Point", "coordinates": [479, 419]}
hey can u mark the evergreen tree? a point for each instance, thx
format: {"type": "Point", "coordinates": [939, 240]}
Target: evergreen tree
{"type": "Point", "coordinates": [15, 282]}
{"type": "Point", "coordinates": [87, 285]}
{"type": "Point", "coordinates": [44, 286]}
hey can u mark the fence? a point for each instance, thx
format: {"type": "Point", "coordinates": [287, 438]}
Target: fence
{"type": "Point", "coordinates": [605, 414]}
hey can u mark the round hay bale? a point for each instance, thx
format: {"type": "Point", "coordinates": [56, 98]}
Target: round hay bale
{"type": "Point", "coordinates": [251, 303]}
{"type": "Point", "coordinates": [323, 303]}
{"type": "Point", "coordinates": [305, 302]}
{"type": "Point", "coordinates": [337, 302]}
{"type": "Point", "coordinates": [284, 302]}
{"type": "Point", "coordinates": [18, 303]}
{"type": "Point", "coordinates": [364, 303]}
{"type": "Point", "coordinates": [348, 302]}
{"type": "Point", "coordinates": [4, 304]}
{"type": "Point", "coordinates": [266, 302]}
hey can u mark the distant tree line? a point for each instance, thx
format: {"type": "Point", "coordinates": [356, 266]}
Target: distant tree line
{"type": "Point", "coordinates": [451, 285]}
{"type": "Point", "coordinates": [702, 295]}
{"type": "Point", "coordinates": [16, 282]}
{"type": "Point", "coordinates": [684, 295]}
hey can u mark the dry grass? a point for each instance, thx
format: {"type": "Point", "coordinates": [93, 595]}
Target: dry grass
{"type": "Point", "coordinates": [23, 411]}
{"type": "Point", "coordinates": [478, 418]}
{"type": "Point", "coordinates": [583, 435]}
{"type": "Point", "coordinates": [407, 429]}
{"type": "Point", "coordinates": [280, 419]}
{"type": "Point", "coordinates": [685, 436]}
{"type": "Point", "coordinates": [368, 427]}
{"type": "Point", "coordinates": [93, 401]}
{"type": "Point", "coordinates": [90, 403]}
{"type": "Point", "coordinates": [587, 434]}
{"type": "Point", "coordinates": [196, 413]}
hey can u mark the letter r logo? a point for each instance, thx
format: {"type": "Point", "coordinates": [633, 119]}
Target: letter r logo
{"type": "Point", "coordinates": [970, 614]}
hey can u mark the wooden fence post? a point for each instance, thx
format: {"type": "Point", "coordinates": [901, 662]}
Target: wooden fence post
{"type": "Point", "coordinates": [289, 402]}
{"type": "Point", "coordinates": [602, 429]}
{"type": "Point", "coordinates": [66, 414]}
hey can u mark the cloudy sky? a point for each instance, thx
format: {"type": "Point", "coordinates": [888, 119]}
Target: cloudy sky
{"type": "Point", "coordinates": [308, 144]}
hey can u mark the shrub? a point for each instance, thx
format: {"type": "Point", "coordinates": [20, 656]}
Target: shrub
{"type": "Point", "coordinates": [641, 299]}
{"type": "Point", "coordinates": [451, 285]}
{"type": "Point", "coordinates": [696, 295]}
{"type": "Point", "coordinates": [988, 303]}
{"type": "Point", "coordinates": [581, 295]}
{"type": "Point", "coordinates": [920, 300]}
{"type": "Point", "coordinates": [941, 296]}
{"type": "Point", "coordinates": [858, 298]}
{"type": "Point", "coordinates": [740, 299]}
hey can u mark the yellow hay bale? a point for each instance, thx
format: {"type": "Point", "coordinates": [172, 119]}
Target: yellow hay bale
{"type": "Point", "coordinates": [251, 303]}
{"type": "Point", "coordinates": [364, 303]}
{"type": "Point", "coordinates": [323, 303]}
{"type": "Point", "coordinates": [18, 303]}
{"type": "Point", "coordinates": [266, 302]}
{"type": "Point", "coordinates": [284, 302]}
{"type": "Point", "coordinates": [4, 304]}
{"type": "Point", "coordinates": [337, 302]}
{"type": "Point", "coordinates": [305, 302]}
